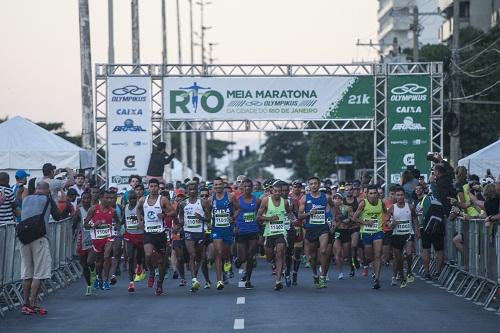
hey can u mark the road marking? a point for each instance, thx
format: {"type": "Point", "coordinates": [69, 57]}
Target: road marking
{"type": "Point", "coordinates": [241, 284]}
{"type": "Point", "coordinates": [240, 300]}
{"type": "Point", "coordinates": [239, 324]}
{"type": "Point", "coordinates": [240, 271]}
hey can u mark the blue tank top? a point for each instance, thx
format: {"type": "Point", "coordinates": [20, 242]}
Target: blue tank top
{"type": "Point", "coordinates": [317, 220]}
{"type": "Point", "coordinates": [247, 218]}
{"type": "Point", "coordinates": [222, 210]}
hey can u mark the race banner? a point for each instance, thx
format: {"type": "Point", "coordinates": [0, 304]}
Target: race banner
{"type": "Point", "coordinates": [128, 128]}
{"type": "Point", "coordinates": [408, 125]}
{"type": "Point", "coordinates": [269, 98]}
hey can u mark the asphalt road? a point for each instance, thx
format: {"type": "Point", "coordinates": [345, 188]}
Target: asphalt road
{"type": "Point", "coordinates": [345, 306]}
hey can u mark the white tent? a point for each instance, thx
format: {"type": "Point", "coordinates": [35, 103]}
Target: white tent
{"type": "Point", "coordinates": [25, 145]}
{"type": "Point", "coordinates": [177, 171]}
{"type": "Point", "coordinates": [486, 158]}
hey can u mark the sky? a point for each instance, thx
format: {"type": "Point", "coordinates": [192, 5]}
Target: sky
{"type": "Point", "coordinates": [40, 49]}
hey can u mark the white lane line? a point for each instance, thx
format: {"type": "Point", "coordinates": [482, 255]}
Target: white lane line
{"type": "Point", "coordinates": [240, 271]}
{"type": "Point", "coordinates": [241, 284]}
{"type": "Point", "coordinates": [240, 300]}
{"type": "Point", "coordinates": [239, 324]}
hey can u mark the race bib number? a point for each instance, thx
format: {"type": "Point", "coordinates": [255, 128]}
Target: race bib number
{"type": "Point", "coordinates": [404, 227]}
{"type": "Point", "coordinates": [192, 222]}
{"type": "Point", "coordinates": [286, 223]}
{"type": "Point", "coordinates": [249, 217]}
{"type": "Point", "coordinates": [153, 228]}
{"type": "Point", "coordinates": [131, 222]}
{"type": "Point", "coordinates": [103, 232]}
{"type": "Point", "coordinates": [221, 219]}
{"type": "Point", "coordinates": [276, 227]}
{"type": "Point", "coordinates": [372, 228]}
{"type": "Point", "coordinates": [318, 217]}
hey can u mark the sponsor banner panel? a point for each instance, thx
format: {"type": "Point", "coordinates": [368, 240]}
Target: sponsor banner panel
{"type": "Point", "coordinates": [408, 124]}
{"type": "Point", "coordinates": [275, 98]}
{"type": "Point", "coordinates": [129, 128]}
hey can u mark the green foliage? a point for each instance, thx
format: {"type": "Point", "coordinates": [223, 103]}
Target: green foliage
{"type": "Point", "coordinates": [287, 150]}
{"type": "Point", "coordinates": [250, 166]}
{"type": "Point", "coordinates": [58, 129]}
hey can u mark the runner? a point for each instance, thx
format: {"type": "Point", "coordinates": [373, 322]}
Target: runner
{"type": "Point", "coordinates": [402, 218]}
{"type": "Point", "coordinates": [370, 215]}
{"type": "Point", "coordinates": [285, 194]}
{"type": "Point", "coordinates": [134, 241]}
{"type": "Point", "coordinates": [386, 244]}
{"type": "Point", "coordinates": [272, 214]}
{"type": "Point", "coordinates": [247, 230]}
{"type": "Point", "coordinates": [351, 200]}
{"type": "Point", "coordinates": [207, 254]}
{"type": "Point", "coordinates": [194, 216]}
{"type": "Point", "coordinates": [178, 240]}
{"type": "Point", "coordinates": [100, 218]}
{"type": "Point", "coordinates": [84, 238]}
{"type": "Point", "coordinates": [313, 208]}
{"type": "Point", "coordinates": [298, 234]}
{"type": "Point", "coordinates": [117, 234]}
{"type": "Point", "coordinates": [151, 211]}
{"type": "Point", "coordinates": [342, 244]}
{"type": "Point", "coordinates": [224, 210]}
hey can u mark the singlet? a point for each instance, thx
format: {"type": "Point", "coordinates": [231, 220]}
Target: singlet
{"type": "Point", "coordinates": [344, 214]}
{"type": "Point", "coordinates": [247, 218]}
{"type": "Point", "coordinates": [191, 222]}
{"type": "Point", "coordinates": [471, 211]}
{"type": "Point", "coordinates": [371, 212]}
{"type": "Point", "coordinates": [275, 228]}
{"type": "Point", "coordinates": [153, 224]}
{"type": "Point", "coordinates": [131, 223]}
{"type": "Point", "coordinates": [222, 210]}
{"type": "Point", "coordinates": [84, 234]}
{"type": "Point", "coordinates": [354, 204]}
{"type": "Point", "coordinates": [388, 204]}
{"type": "Point", "coordinates": [318, 219]}
{"type": "Point", "coordinates": [102, 231]}
{"type": "Point", "coordinates": [403, 215]}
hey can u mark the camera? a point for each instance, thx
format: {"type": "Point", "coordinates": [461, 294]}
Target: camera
{"type": "Point", "coordinates": [432, 157]}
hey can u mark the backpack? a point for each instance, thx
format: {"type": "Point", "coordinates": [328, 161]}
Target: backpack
{"type": "Point", "coordinates": [434, 218]}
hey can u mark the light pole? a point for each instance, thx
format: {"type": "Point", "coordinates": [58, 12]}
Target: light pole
{"type": "Point", "coordinates": [184, 154]}
{"type": "Point", "coordinates": [194, 153]}
{"type": "Point", "coordinates": [166, 135]}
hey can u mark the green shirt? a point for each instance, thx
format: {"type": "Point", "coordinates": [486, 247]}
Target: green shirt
{"type": "Point", "coordinates": [274, 228]}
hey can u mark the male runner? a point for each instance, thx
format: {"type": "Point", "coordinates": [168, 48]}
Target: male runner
{"type": "Point", "coordinates": [285, 194]}
{"type": "Point", "coordinates": [207, 255]}
{"type": "Point", "coordinates": [351, 200]}
{"type": "Point", "coordinates": [83, 237]}
{"type": "Point", "coordinates": [370, 215]}
{"type": "Point", "coordinates": [224, 210]}
{"type": "Point", "coordinates": [386, 244]}
{"type": "Point", "coordinates": [298, 235]}
{"type": "Point", "coordinates": [272, 213]}
{"type": "Point", "coordinates": [100, 218]}
{"type": "Point", "coordinates": [313, 208]}
{"type": "Point", "coordinates": [342, 244]}
{"type": "Point", "coordinates": [134, 240]}
{"type": "Point", "coordinates": [194, 216]}
{"type": "Point", "coordinates": [151, 211]}
{"type": "Point", "coordinates": [247, 230]}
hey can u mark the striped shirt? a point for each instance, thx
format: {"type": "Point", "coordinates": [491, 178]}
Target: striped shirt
{"type": "Point", "coordinates": [7, 200]}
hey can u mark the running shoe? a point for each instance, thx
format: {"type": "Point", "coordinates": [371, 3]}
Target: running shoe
{"type": "Point", "coordinates": [195, 285]}
{"type": "Point", "coordinates": [394, 281]}
{"type": "Point", "coordinates": [376, 285]}
{"type": "Point", "coordinates": [101, 285]}
{"type": "Point", "coordinates": [88, 291]}
{"type": "Point", "coordinates": [93, 275]}
{"type": "Point", "coordinates": [403, 283]}
{"type": "Point", "coordinates": [96, 284]}
{"type": "Point", "coordinates": [227, 266]}
{"type": "Point", "coordinates": [341, 276]}
{"type": "Point", "coordinates": [316, 281]}
{"type": "Point", "coordinates": [220, 285]}
{"type": "Point", "coordinates": [356, 263]}
{"type": "Point", "coordinates": [307, 264]}
{"type": "Point", "coordinates": [113, 280]}
{"type": "Point", "coordinates": [288, 281]}
{"type": "Point", "coordinates": [151, 281]}
{"type": "Point", "coordinates": [373, 277]}
{"type": "Point", "coordinates": [248, 285]}
{"type": "Point", "coordinates": [131, 287]}
{"type": "Point", "coordinates": [106, 285]}
{"type": "Point", "coordinates": [41, 311]}
{"type": "Point", "coordinates": [243, 277]}
{"type": "Point", "coordinates": [182, 283]}
{"type": "Point", "coordinates": [159, 288]}
{"type": "Point", "coordinates": [322, 282]}
{"type": "Point", "coordinates": [278, 286]}
{"type": "Point", "coordinates": [365, 271]}
{"type": "Point", "coordinates": [353, 272]}
{"type": "Point", "coordinates": [237, 263]}
{"type": "Point", "coordinates": [410, 278]}
{"type": "Point", "coordinates": [428, 277]}
{"type": "Point", "coordinates": [294, 279]}
{"type": "Point", "coordinates": [207, 285]}
{"type": "Point", "coordinates": [225, 278]}
{"type": "Point", "coordinates": [175, 276]}
{"type": "Point", "coordinates": [26, 310]}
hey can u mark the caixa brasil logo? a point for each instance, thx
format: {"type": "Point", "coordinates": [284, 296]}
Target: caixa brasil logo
{"type": "Point", "coordinates": [189, 99]}
{"type": "Point", "coordinates": [129, 93]}
{"type": "Point", "coordinates": [128, 126]}
{"type": "Point", "coordinates": [409, 92]}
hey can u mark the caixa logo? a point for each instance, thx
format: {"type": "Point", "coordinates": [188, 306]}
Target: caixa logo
{"type": "Point", "coordinates": [129, 93]}
{"type": "Point", "coordinates": [128, 126]}
{"type": "Point", "coordinates": [189, 99]}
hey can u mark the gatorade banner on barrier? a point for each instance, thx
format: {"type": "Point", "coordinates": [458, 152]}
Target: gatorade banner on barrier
{"type": "Point", "coordinates": [268, 98]}
{"type": "Point", "coordinates": [408, 124]}
{"type": "Point", "coordinates": [129, 128]}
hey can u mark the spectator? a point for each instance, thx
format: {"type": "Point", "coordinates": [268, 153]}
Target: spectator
{"type": "Point", "coordinates": [19, 187]}
{"type": "Point", "coordinates": [8, 208]}
{"type": "Point", "coordinates": [56, 185]}
{"type": "Point", "coordinates": [133, 181]}
{"type": "Point", "coordinates": [492, 203]}
{"type": "Point", "coordinates": [159, 158]}
{"type": "Point", "coordinates": [409, 183]}
{"type": "Point", "coordinates": [79, 186]}
{"type": "Point", "coordinates": [36, 261]}
{"type": "Point", "coordinates": [442, 183]}
{"type": "Point", "coordinates": [67, 207]}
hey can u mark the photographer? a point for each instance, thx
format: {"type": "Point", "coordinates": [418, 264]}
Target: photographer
{"type": "Point", "coordinates": [441, 181]}
{"type": "Point", "coordinates": [56, 185]}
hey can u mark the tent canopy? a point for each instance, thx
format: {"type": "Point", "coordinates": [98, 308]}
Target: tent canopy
{"type": "Point", "coordinates": [486, 158]}
{"type": "Point", "coordinates": [25, 145]}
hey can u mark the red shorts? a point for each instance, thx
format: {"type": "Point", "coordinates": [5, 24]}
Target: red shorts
{"type": "Point", "coordinates": [135, 239]}
{"type": "Point", "coordinates": [82, 253]}
{"type": "Point", "coordinates": [98, 244]}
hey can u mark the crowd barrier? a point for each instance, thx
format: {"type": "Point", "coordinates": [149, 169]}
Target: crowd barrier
{"type": "Point", "coordinates": [65, 268]}
{"type": "Point", "coordinates": [475, 273]}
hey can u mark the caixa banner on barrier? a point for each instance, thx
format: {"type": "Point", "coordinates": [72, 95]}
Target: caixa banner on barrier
{"type": "Point", "coordinates": [268, 98]}
{"type": "Point", "coordinates": [129, 128]}
{"type": "Point", "coordinates": [408, 124]}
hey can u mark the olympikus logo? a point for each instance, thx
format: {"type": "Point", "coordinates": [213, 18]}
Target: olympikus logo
{"type": "Point", "coordinates": [410, 92]}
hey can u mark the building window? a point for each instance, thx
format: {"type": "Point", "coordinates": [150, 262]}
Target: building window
{"type": "Point", "coordinates": [464, 10]}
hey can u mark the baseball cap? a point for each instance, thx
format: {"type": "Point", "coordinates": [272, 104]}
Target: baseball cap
{"type": "Point", "coordinates": [338, 194]}
{"type": "Point", "coordinates": [48, 167]}
{"type": "Point", "coordinates": [21, 174]}
{"type": "Point", "coordinates": [297, 183]}
{"type": "Point", "coordinates": [180, 192]}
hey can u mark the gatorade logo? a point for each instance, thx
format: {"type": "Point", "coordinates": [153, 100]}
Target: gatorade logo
{"type": "Point", "coordinates": [409, 159]}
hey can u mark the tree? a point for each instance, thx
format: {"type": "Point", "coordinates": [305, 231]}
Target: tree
{"type": "Point", "coordinates": [250, 166]}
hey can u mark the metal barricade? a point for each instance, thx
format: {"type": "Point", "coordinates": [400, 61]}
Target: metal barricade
{"type": "Point", "coordinates": [64, 269]}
